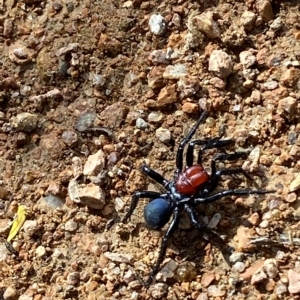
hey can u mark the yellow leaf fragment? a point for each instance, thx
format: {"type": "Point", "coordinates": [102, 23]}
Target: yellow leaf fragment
{"type": "Point", "coordinates": [18, 222]}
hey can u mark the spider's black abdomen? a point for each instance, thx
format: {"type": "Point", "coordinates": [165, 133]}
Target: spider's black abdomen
{"type": "Point", "coordinates": [157, 213]}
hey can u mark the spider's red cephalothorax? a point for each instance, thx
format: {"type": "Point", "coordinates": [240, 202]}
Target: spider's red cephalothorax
{"type": "Point", "coordinates": [189, 181]}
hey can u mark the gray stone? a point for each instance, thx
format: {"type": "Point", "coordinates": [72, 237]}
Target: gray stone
{"type": "Point", "coordinates": [155, 117]}
{"type": "Point", "coordinates": [119, 257]}
{"type": "Point", "coordinates": [94, 164]}
{"type": "Point", "coordinates": [71, 226]}
{"type": "Point", "coordinates": [141, 123]}
{"type": "Point", "coordinates": [220, 63]}
{"type": "Point", "coordinates": [25, 121]}
{"type": "Point", "coordinates": [294, 282]}
{"type": "Point", "coordinates": [163, 134]}
{"type": "Point", "coordinates": [157, 24]}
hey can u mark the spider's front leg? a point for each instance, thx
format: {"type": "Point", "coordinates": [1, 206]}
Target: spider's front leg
{"type": "Point", "coordinates": [207, 144]}
{"type": "Point", "coordinates": [216, 174]}
{"type": "Point", "coordinates": [155, 176]}
{"type": "Point", "coordinates": [184, 142]}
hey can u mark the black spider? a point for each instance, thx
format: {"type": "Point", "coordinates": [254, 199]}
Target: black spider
{"type": "Point", "coordinates": [189, 187]}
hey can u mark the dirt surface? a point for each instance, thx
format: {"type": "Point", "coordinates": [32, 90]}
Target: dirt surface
{"type": "Point", "coordinates": [91, 90]}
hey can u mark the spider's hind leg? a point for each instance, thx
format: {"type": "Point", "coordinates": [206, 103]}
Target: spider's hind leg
{"type": "Point", "coordinates": [163, 247]}
{"type": "Point", "coordinates": [135, 198]}
{"type": "Point", "coordinates": [215, 197]}
{"type": "Point", "coordinates": [208, 234]}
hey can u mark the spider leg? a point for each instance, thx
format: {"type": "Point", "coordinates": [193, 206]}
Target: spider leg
{"type": "Point", "coordinates": [179, 156]}
{"type": "Point", "coordinates": [207, 144]}
{"type": "Point", "coordinates": [208, 234]}
{"type": "Point", "coordinates": [155, 176]}
{"type": "Point", "coordinates": [222, 194]}
{"type": "Point", "coordinates": [135, 198]}
{"type": "Point", "coordinates": [216, 175]}
{"type": "Point", "coordinates": [164, 245]}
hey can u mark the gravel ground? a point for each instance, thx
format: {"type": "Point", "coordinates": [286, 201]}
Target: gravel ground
{"type": "Point", "coordinates": [91, 90]}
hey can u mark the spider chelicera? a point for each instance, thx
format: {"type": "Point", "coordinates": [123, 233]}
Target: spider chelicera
{"type": "Point", "coordinates": [190, 186]}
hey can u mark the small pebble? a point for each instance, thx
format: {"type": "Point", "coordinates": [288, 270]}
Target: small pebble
{"type": "Point", "coordinates": [40, 251]}
{"type": "Point", "coordinates": [186, 272]}
{"type": "Point", "coordinates": [10, 293]}
{"type": "Point", "coordinates": [264, 224]}
{"type": "Point", "coordinates": [254, 219]}
{"type": "Point", "coordinates": [119, 257]}
{"type": "Point", "coordinates": [190, 108]}
{"type": "Point", "coordinates": [269, 285]}
{"type": "Point", "coordinates": [248, 83]}
{"type": "Point", "coordinates": [87, 194]}
{"type": "Point", "coordinates": [94, 164]}
{"type": "Point", "coordinates": [155, 117]}
{"type": "Point", "coordinates": [188, 86]}
{"type": "Point", "coordinates": [73, 278]}
{"type": "Point", "coordinates": [220, 63]}
{"type": "Point", "coordinates": [202, 296]}
{"type": "Point", "coordinates": [247, 58]}
{"type": "Point", "coordinates": [158, 290]}
{"type": "Point", "coordinates": [98, 80]}
{"type": "Point", "coordinates": [85, 121]}
{"type": "Point", "coordinates": [141, 123]}
{"type": "Point", "coordinates": [71, 226]}
{"type": "Point", "coordinates": [271, 85]}
{"type": "Point", "coordinates": [214, 221]}
{"type": "Point", "coordinates": [119, 204]}
{"type": "Point", "coordinates": [295, 184]}
{"type": "Point", "coordinates": [289, 106]}
{"type": "Point", "coordinates": [135, 284]}
{"type": "Point", "coordinates": [207, 279]}
{"type": "Point", "coordinates": [236, 257]}
{"type": "Point", "coordinates": [264, 9]}
{"type": "Point", "coordinates": [271, 268]}
{"type": "Point", "coordinates": [206, 24]}
{"type": "Point", "coordinates": [238, 267]}
{"type": "Point", "coordinates": [294, 282]}
{"type": "Point", "coordinates": [53, 201]}
{"type": "Point", "coordinates": [243, 237]}
{"type": "Point", "coordinates": [248, 19]}
{"type": "Point", "coordinates": [276, 24]}
{"type": "Point", "coordinates": [157, 24]}
{"type": "Point", "coordinates": [167, 271]}
{"type": "Point", "coordinates": [19, 54]}
{"type": "Point", "coordinates": [25, 121]}
{"type": "Point", "coordinates": [128, 277]}
{"type": "Point", "coordinates": [218, 83]}
{"type": "Point", "coordinates": [258, 276]}
{"type": "Point", "coordinates": [70, 138]}
{"type": "Point", "coordinates": [158, 57]}
{"type": "Point", "coordinates": [163, 134]}
{"type": "Point", "coordinates": [280, 288]}
{"type": "Point", "coordinates": [216, 291]}
{"type": "Point", "coordinates": [30, 227]}
{"type": "Point", "coordinates": [290, 198]}
{"type": "Point", "coordinates": [175, 71]}
{"type": "Point", "coordinates": [166, 96]}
